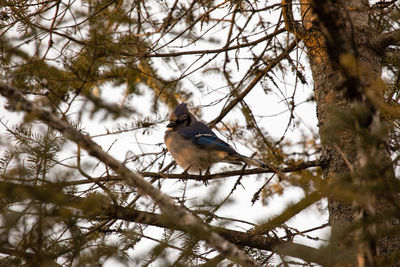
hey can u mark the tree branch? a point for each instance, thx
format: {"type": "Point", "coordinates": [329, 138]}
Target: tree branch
{"type": "Point", "coordinates": [206, 51]}
{"type": "Point", "coordinates": [301, 166]}
{"type": "Point", "coordinates": [189, 222]}
{"type": "Point", "coordinates": [202, 178]}
{"type": "Point", "coordinates": [288, 213]}
{"type": "Point", "coordinates": [52, 193]}
{"type": "Point", "coordinates": [390, 38]}
{"type": "Point", "coordinates": [391, 55]}
{"type": "Point", "coordinates": [290, 24]}
{"type": "Point", "coordinates": [249, 87]}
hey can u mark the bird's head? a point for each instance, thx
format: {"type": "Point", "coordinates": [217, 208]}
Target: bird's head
{"type": "Point", "coordinates": [180, 116]}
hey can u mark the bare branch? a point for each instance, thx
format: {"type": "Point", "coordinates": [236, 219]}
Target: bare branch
{"type": "Point", "coordinates": [202, 178]}
{"type": "Point", "coordinates": [290, 24]}
{"type": "Point", "coordinates": [249, 87]}
{"type": "Point", "coordinates": [206, 51]}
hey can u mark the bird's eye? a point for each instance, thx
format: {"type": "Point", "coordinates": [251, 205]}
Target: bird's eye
{"type": "Point", "coordinates": [187, 120]}
{"type": "Point", "coordinates": [184, 118]}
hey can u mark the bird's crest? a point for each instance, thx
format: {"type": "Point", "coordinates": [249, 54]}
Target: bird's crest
{"type": "Point", "coordinates": [180, 110]}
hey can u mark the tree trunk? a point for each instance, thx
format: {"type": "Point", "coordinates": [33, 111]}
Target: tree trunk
{"type": "Point", "coordinates": [346, 69]}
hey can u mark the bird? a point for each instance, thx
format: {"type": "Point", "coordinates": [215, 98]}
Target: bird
{"type": "Point", "coordinates": [195, 147]}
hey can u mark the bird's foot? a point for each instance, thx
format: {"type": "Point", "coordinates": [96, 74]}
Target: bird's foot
{"type": "Point", "coordinates": [207, 174]}
{"type": "Point", "coordinates": [185, 174]}
{"type": "Point", "coordinates": [206, 177]}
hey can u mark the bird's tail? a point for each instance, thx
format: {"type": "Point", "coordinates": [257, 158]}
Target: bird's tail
{"type": "Point", "coordinates": [253, 162]}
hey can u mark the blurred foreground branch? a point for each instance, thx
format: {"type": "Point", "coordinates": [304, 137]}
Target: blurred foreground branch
{"type": "Point", "coordinates": [189, 222]}
{"type": "Point", "coordinates": [100, 209]}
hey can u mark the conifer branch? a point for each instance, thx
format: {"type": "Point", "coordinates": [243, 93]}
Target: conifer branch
{"type": "Point", "coordinates": [190, 223]}
{"type": "Point", "coordinates": [53, 194]}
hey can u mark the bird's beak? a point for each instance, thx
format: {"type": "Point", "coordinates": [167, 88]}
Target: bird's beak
{"type": "Point", "coordinates": [171, 124]}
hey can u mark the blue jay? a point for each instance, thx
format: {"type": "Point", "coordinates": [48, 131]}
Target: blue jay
{"type": "Point", "coordinates": [195, 147]}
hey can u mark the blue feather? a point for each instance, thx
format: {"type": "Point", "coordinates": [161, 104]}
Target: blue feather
{"type": "Point", "coordinates": [213, 142]}
{"type": "Point", "coordinates": [203, 137]}
{"type": "Point", "coordinates": [195, 146]}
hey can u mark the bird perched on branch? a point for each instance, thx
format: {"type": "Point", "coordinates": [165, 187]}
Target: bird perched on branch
{"type": "Point", "coordinates": [195, 147]}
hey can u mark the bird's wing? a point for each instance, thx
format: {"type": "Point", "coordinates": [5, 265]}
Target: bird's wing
{"type": "Point", "coordinates": [202, 136]}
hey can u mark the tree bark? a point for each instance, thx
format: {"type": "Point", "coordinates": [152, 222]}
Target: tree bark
{"type": "Point", "coordinates": [346, 67]}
